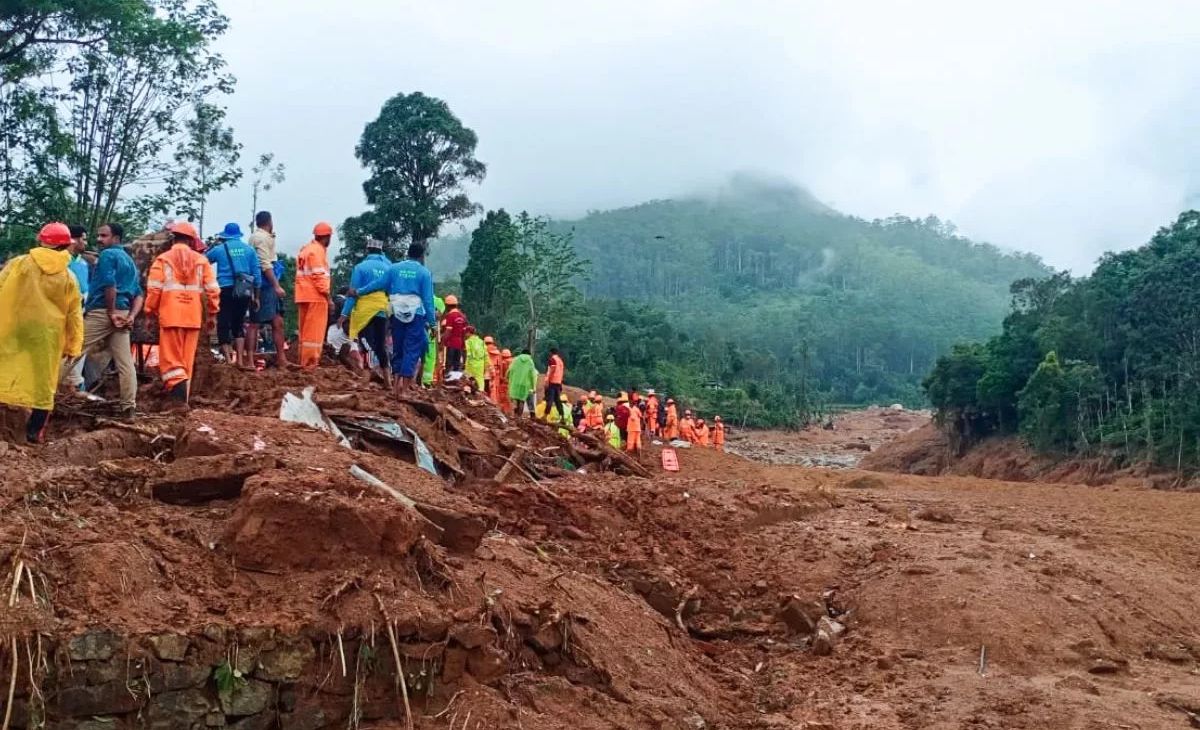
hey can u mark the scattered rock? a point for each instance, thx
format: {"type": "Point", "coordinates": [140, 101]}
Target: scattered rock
{"type": "Point", "coordinates": [1173, 653]}
{"type": "Point", "coordinates": [111, 698]}
{"type": "Point", "coordinates": [826, 636]}
{"type": "Point", "coordinates": [801, 616]}
{"type": "Point", "coordinates": [250, 698]}
{"type": "Point", "coordinates": [286, 662]}
{"type": "Point", "coordinates": [1107, 665]}
{"type": "Point", "coordinates": [472, 636]}
{"type": "Point", "coordinates": [1077, 683]}
{"type": "Point", "coordinates": [936, 514]}
{"type": "Point", "coordinates": [865, 481]}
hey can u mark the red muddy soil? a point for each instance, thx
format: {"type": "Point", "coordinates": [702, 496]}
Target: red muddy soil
{"type": "Point", "coordinates": [685, 601]}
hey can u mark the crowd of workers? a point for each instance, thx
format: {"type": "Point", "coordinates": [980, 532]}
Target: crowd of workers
{"type": "Point", "coordinates": [68, 319]}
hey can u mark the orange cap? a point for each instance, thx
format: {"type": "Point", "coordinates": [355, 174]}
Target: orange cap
{"type": "Point", "coordinates": [55, 234]}
{"type": "Point", "coordinates": [452, 301]}
{"type": "Point", "coordinates": [322, 229]}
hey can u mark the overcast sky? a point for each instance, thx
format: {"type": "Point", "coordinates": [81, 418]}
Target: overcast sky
{"type": "Point", "coordinates": [1065, 128]}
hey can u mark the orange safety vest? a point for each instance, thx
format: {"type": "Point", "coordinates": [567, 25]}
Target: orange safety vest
{"type": "Point", "coordinates": [687, 429]}
{"type": "Point", "coordinates": [312, 274]}
{"type": "Point", "coordinates": [702, 435]}
{"type": "Point", "coordinates": [671, 430]}
{"type": "Point", "coordinates": [176, 286]}
{"type": "Point", "coordinates": [652, 411]}
{"type": "Point", "coordinates": [719, 434]}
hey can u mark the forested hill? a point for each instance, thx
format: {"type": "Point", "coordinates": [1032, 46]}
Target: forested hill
{"type": "Point", "coordinates": [779, 294]}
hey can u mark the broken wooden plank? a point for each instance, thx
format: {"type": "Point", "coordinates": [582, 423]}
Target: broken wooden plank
{"type": "Point", "coordinates": [510, 463]}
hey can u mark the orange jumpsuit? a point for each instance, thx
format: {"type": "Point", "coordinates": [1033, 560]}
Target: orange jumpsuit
{"type": "Point", "coordinates": [671, 430]}
{"type": "Point", "coordinates": [633, 430]}
{"type": "Point", "coordinates": [179, 281]}
{"type": "Point", "coordinates": [652, 415]}
{"type": "Point", "coordinates": [702, 435]}
{"type": "Point", "coordinates": [502, 376]}
{"type": "Point", "coordinates": [687, 429]}
{"type": "Point", "coordinates": [718, 434]}
{"type": "Point", "coordinates": [312, 301]}
{"type": "Point", "coordinates": [498, 396]}
{"type": "Point", "coordinates": [593, 417]}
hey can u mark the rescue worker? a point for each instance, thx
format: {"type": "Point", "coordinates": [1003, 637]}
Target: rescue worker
{"type": "Point", "coordinates": [701, 431]}
{"type": "Point", "coordinates": [687, 427]}
{"type": "Point", "coordinates": [671, 426]}
{"type": "Point", "coordinates": [477, 357]}
{"type": "Point", "coordinates": [42, 322]}
{"type": "Point", "coordinates": [114, 301]}
{"type": "Point", "coordinates": [662, 419]}
{"type": "Point", "coordinates": [595, 414]}
{"type": "Point", "coordinates": [522, 382]}
{"type": "Point", "coordinates": [313, 295]}
{"type": "Point", "coordinates": [652, 413]}
{"type": "Point", "coordinates": [409, 287]}
{"type": "Point", "coordinates": [611, 432]}
{"type": "Point", "coordinates": [366, 318]}
{"type": "Point", "coordinates": [506, 360]}
{"type": "Point", "coordinates": [622, 415]}
{"type": "Point", "coordinates": [492, 379]}
{"type": "Point", "coordinates": [238, 274]}
{"type": "Point", "coordinates": [72, 370]}
{"type": "Point", "coordinates": [454, 334]}
{"type": "Point", "coordinates": [429, 372]}
{"type": "Point", "coordinates": [180, 281]}
{"type": "Point", "coordinates": [718, 434]}
{"type": "Point", "coordinates": [268, 309]}
{"type": "Point", "coordinates": [579, 412]}
{"type": "Point", "coordinates": [634, 428]}
{"type": "Point", "coordinates": [555, 370]}
{"type": "Point", "coordinates": [568, 420]}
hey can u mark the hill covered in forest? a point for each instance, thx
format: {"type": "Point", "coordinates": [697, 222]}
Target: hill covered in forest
{"type": "Point", "coordinates": [775, 293]}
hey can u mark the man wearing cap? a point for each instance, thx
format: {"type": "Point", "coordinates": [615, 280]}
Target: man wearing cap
{"type": "Point", "coordinates": [454, 334]}
{"type": "Point", "coordinates": [240, 279]}
{"type": "Point", "coordinates": [113, 302]}
{"type": "Point", "coordinates": [671, 425]}
{"type": "Point", "coordinates": [652, 413]}
{"type": "Point", "coordinates": [42, 322]}
{"type": "Point", "coordinates": [313, 295]}
{"type": "Point", "coordinates": [366, 316]}
{"type": "Point", "coordinates": [180, 283]}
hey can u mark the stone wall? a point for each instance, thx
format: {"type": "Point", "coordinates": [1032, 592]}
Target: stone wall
{"type": "Point", "coordinates": [247, 679]}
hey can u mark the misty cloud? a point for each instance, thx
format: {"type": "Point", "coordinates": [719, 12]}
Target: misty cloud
{"type": "Point", "coordinates": [1064, 128]}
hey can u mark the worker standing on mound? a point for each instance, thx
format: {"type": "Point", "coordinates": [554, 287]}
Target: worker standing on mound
{"type": "Point", "coordinates": [687, 427]}
{"type": "Point", "coordinates": [477, 357]}
{"type": "Point", "coordinates": [240, 278]}
{"type": "Point", "coordinates": [671, 427]}
{"type": "Point", "coordinates": [114, 301]}
{"type": "Point", "coordinates": [611, 432]}
{"type": "Point", "coordinates": [522, 382]}
{"type": "Point", "coordinates": [41, 321]}
{"type": "Point", "coordinates": [367, 317]}
{"type": "Point", "coordinates": [492, 374]}
{"type": "Point", "coordinates": [433, 350]}
{"type": "Point", "coordinates": [718, 434]}
{"type": "Point", "coordinates": [313, 297]}
{"type": "Point", "coordinates": [506, 361]}
{"type": "Point", "coordinates": [701, 431]}
{"type": "Point", "coordinates": [269, 306]}
{"type": "Point", "coordinates": [555, 371]}
{"type": "Point", "coordinates": [454, 334]}
{"type": "Point", "coordinates": [181, 280]}
{"type": "Point", "coordinates": [634, 428]}
{"type": "Point", "coordinates": [409, 287]}
{"type": "Point", "coordinates": [652, 413]}
{"type": "Point", "coordinates": [622, 415]}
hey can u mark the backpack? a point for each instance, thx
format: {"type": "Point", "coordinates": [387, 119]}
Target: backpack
{"type": "Point", "coordinates": [243, 284]}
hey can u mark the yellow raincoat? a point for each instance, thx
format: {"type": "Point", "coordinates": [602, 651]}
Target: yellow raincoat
{"type": "Point", "coordinates": [41, 320]}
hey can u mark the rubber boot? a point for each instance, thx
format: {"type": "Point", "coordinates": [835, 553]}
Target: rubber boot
{"type": "Point", "coordinates": [35, 428]}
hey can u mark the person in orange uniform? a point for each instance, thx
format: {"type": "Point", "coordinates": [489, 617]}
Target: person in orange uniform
{"type": "Point", "coordinates": [555, 370]}
{"type": "Point", "coordinates": [633, 427]}
{"type": "Point", "coordinates": [312, 295]}
{"type": "Point", "coordinates": [593, 413]}
{"type": "Point", "coordinates": [179, 282]}
{"type": "Point", "coordinates": [687, 427]}
{"type": "Point", "coordinates": [671, 429]}
{"type": "Point", "coordinates": [490, 380]}
{"type": "Point", "coordinates": [652, 413]}
{"type": "Point", "coordinates": [506, 359]}
{"type": "Point", "coordinates": [718, 434]}
{"type": "Point", "coordinates": [701, 433]}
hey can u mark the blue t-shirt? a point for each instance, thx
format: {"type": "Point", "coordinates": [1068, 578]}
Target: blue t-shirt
{"type": "Point", "coordinates": [366, 271]}
{"type": "Point", "coordinates": [79, 268]}
{"type": "Point", "coordinates": [114, 268]}
{"type": "Point", "coordinates": [407, 277]}
{"type": "Point", "coordinates": [234, 256]}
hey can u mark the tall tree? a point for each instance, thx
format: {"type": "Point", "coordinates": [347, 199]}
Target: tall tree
{"type": "Point", "coordinates": [353, 235]}
{"type": "Point", "coordinates": [419, 156]}
{"type": "Point", "coordinates": [488, 285]}
{"type": "Point", "coordinates": [33, 31]}
{"type": "Point", "coordinates": [129, 99]}
{"type": "Point", "coordinates": [266, 174]}
{"type": "Point", "coordinates": [545, 267]}
{"type": "Point", "coordinates": [208, 158]}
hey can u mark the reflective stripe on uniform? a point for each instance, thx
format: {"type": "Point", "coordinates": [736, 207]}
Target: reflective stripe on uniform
{"type": "Point", "coordinates": [174, 373]}
{"type": "Point", "coordinates": [312, 272]}
{"type": "Point", "coordinates": [171, 284]}
{"type": "Point", "coordinates": [310, 345]}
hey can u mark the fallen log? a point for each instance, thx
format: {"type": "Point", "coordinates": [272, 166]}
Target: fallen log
{"type": "Point", "coordinates": [510, 463]}
{"type": "Point", "coordinates": [132, 428]}
{"type": "Point", "coordinates": [336, 400]}
{"type": "Point", "coordinates": [365, 476]}
{"type": "Point", "coordinates": [635, 468]}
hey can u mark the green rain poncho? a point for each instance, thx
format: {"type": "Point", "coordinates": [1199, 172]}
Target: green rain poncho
{"type": "Point", "coordinates": [477, 360]}
{"type": "Point", "coordinates": [522, 377]}
{"type": "Point", "coordinates": [432, 352]}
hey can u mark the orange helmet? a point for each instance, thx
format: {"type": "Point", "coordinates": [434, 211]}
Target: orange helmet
{"type": "Point", "coordinates": [489, 339]}
{"type": "Point", "coordinates": [183, 228]}
{"type": "Point", "coordinates": [452, 301]}
{"type": "Point", "coordinates": [322, 229]}
{"type": "Point", "coordinates": [55, 234]}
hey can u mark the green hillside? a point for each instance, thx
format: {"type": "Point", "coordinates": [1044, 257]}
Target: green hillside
{"type": "Point", "coordinates": [774, 292]}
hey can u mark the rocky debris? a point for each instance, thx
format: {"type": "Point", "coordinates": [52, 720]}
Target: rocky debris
{"type": "Point", "coordinates": [94, 645]}
{"type": "Point", "coordinates": [198, 479]}
{"type": "Point", "coordinates": [863, 481]}
{"type": "Point", "coordinates": [826, 636]}
{"type": "Point", "coordinates": [801, 616]}
{"type": "Point", "coordinates": [936, 513]}
{"type": "Point", "coordinates": [169, 647]}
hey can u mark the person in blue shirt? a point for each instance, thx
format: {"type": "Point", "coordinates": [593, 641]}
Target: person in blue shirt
{"type": "Point", "coordinates": [366, 318]}
{"type": "Point", "coordinates": [235, 261]}
{"type": "Point", "coordinates": [409, 287]}
{"type": "Point", "coordinates": [113, 302]}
